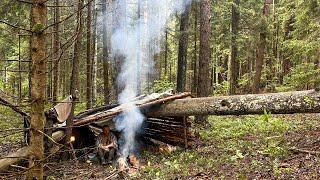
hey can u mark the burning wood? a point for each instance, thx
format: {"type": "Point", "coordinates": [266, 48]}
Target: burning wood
{"type": "Point", "coordinates": [130, 165]}
{"type": "Point", "coordinates": [134, 161]}
{"type": "Point", "coordinates": [122, 164]}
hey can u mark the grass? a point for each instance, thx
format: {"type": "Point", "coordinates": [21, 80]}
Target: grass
{"type": "Point", "coordinates": [9, 120]}
{"type": "Point", "coordinates": [233, 147]}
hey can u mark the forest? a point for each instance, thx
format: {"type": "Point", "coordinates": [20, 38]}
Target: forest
{"type": "Point", "coordinates": [159, 89]}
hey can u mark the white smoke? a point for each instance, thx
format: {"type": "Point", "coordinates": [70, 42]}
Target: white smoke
{"type": "Point", "coordinates": [132, 40]}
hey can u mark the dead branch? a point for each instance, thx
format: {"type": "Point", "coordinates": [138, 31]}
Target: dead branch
{"type": "Point", "coordinates": [305, 151]}
{"type": "Point", "coordinates": [13, 107]}
{"type": "Point", "coordinates": [14, 158]}
{"type": "Point", "coordinates": [14, 26]}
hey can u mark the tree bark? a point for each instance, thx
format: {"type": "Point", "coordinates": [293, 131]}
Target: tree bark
{"type": "Point", "coordinates": [195, 49]}
{"type": "Point", "coordinates": [261, 52]}
{"type": "Point", "coordinates": [56, 50]}
{"type": "Point", "coordinates": [234, 62]}
{"type": "Point", "coordinates": [105, 52]}
{"type": "Point", "coordinates": [183, 50]}
{"type": "Point", "coordinates": [75, 71]}
{"type": "Point", "coordinates": [89, 57]}
{"type": "Point", "coordinates": [94, 56]}
{"type": "Point", "coordinates": [204, 52]}
{"type": "Point", "coordinates": [276, 103]}
{"type": "Point", "coordinates": [166, 54]}
{"type": "Point", "coordinates": [38, 87]}
{"type": "Point", "coordinates": [287, 64]}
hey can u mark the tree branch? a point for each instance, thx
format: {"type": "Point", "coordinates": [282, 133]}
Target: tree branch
{"type": "Point", "coordinates": [68, 17]}
{"type": "Point", "coordinates": [26, 2]}
{"type": "Point", "coordinates": [14, 26]}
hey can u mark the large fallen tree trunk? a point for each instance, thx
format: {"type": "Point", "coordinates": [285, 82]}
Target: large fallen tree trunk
{"type": "Point", "coordinates": [276, 103]}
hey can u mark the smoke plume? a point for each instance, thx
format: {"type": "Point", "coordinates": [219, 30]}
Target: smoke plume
{"type": "Point", "coordinates": [140, 25]}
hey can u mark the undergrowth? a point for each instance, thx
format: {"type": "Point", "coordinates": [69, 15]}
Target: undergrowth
{"type": "Point", "coordinates": [232, 147]}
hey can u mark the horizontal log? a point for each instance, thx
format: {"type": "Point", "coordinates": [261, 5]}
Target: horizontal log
{"type": "Point", "coordinates": [13, 158]}
{"type": "Point", "coordinates": [276, 103]}
{"type": "Point", "coordinates": [111, 113]}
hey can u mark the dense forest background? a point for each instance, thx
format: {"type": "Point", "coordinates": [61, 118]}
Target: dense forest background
{"type": "Point", "coordinates": [256, 46]}
{"type": "Point", "coordinates": [52, 49]}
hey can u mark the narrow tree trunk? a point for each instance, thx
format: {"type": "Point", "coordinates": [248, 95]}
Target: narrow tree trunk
{"type": "Point", "coordinates": [105, 59]}
{"type": "Point", "coordinates": [166, 55]}
{"type": "Point", "coordinates": [234, 62]}
{"type": "Point", "coordinates": [38, 80]}
{"type": "Point", "coordinates": [139, 49]}
{"type": "Point", "coordinates": [183, 50]}
{"type": "Point", "coordinates": [89, 57]}
{"type": "Point", "coordinates": [74, 87]}
{"type": "Point", "coordinates": [204, 52]}
{"type": "Point", "coordinates": [287, 64]}
{"type": "Point", "coordinates": [56, 50]}
{"type": "Point", "coordinates": [94, 55]}
{"type": "Point", "coordinates": [261, 53]}
{"type": "Point", "coordinates": [195, 56]}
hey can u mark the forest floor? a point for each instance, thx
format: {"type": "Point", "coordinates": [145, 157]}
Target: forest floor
{"type": "Point", "coordinates": [233, 147]}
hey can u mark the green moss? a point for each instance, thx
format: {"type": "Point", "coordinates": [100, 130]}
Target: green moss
{"type": "Point", "coordinates": [37, 28]}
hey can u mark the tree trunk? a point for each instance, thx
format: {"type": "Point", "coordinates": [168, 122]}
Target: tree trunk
{"type": "Point", "coordinates": [195, 56]}
{"type": "Point", "coordinates": [105, 59]}
{"type": "Point", "coordinates": [38, 87]}
{"type": "Point", "coordinates": [204, 52]}
{"type": "Point", "coordinates": [183, 50]}
{"type": "Point", "coordinates": [94, 56]}
{"type": "Point", "coordinates": [166, 55]}
{"type": "Point", "coordinates": [56, 50]}
{"type": "Point", "coordinates": [276, 103]}
{"type": "Point", "coordinates": [287, 64]}
{"type": "Point", "coordinates": [234, 62]}
{"type": "Point", "coordinates": [261, 52]}
{"type": "Point", "coordinates": [89, 57]}
{"type": "Point", "coordinates": [75, 70]}
{"type": "Point", "coordinates": [139, 48]}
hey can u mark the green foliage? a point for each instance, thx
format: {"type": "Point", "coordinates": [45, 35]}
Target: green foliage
{"type": "Point", "coordinates": [302, 75]}
{"type": "Point", "coordinates": [162, 85]}
{"type": "Point", "coordinates": [38, 28]}
{"type": "Point", "coordinates": [222, 88]}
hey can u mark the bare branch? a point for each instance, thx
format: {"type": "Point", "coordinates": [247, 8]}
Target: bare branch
{"type": "Point", "coordinates": [14, 26]}
{"type": "Point", "coordinates": [26, 2]}
{"type": "Point", "coordinates": [68, 17]}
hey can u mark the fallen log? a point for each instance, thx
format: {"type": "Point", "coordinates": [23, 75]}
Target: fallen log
{"type": "Point", "coordinates": [13, 158]}
{"type": "Point", "coordinates": [276, 103]}
{"type": "Point", "coordinates": [23, 153]}
{"type": "Point", "coordinates": [111, 113]}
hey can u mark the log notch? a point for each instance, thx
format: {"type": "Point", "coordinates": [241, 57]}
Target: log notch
{"type": "Point", "coordinates": [276, 103]}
